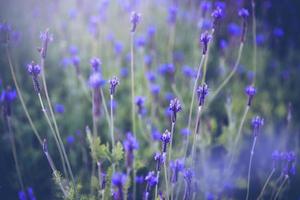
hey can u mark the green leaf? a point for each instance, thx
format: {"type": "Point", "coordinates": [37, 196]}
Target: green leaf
{"type": "Point", "coordinates": [107, 192]}
{"type": "Point", "coordinates": [117, 153]}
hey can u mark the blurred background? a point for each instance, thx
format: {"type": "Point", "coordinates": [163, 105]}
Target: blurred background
{"type": "Point", "coordinates": [86, 29]}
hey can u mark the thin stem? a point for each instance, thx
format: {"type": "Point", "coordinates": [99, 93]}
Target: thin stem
{"type": "Point", "coordinates": [20, 96]}
{"type": "Point", "coordinates": [281, 186]}
{"type": "Point", "coordinates": [171, 42]}
{"type": "Point", "coordinates": [112, 121]}
{"type": "Point", "coordinates": [206, 59]}
{"type": "Point", "coordinates": [54, 134]}
{"type": "Point", "coordinates": [14, 151]}
{"type": "Point", "coordinates": [266, 184]}
{"type": "Point", "coordinates": [105, 107]}
{"type": "Point", "coordinates": [196, 131]}
{"type": "Point", "coordinates": [156, 186]}
{"type": "Point", "coordinates": [54, 171]}
{"type": "Point", "coordinates": [54, 122]}
{"type": "Point", "coordinates": [194, 93]}
{"type": "Point", "coordinates": [237, 138]}
{"type": "Point", "coordinates": [85, 90]}
{"type": "Point", "coordinates": [230, 74]}
{"type": "Point", "coordinates": [132, 83]}
{"type": "Point", "coordinates": [171, 141]}
{"type": "Point", "coordinates": [132, 101]}
{"type": "Point", "coordinates": [250, 166]}
{"type": "Point", "coordinates": [166, 180]}
{"type": "Point", "coordinates": [172, 191]}
{"type": "Point", "coordinates": [254, 41]}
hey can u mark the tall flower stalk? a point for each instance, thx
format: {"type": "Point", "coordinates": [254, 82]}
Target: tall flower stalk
{"type": "Point", "coordinates": [34, 70]}
{"type": "Point", "coordinates": [135, 19]}
{"type": "Point", "coordinates": [113, 84]}
{"type": "Point", "coordinates": [254, 41]}
{"type": "Point", "coordinates": [46, 38]}
{"type": "Point", "coordinates": [257, 122]}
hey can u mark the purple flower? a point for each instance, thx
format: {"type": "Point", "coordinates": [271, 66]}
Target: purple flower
{"type": "Point", "coordinates": [130, 144]}
{"type": "Point", "coordinates": [160, 158]}
{"type": "Point", "coordinates": [217, 15]}
{"type": "Point", "coordinates": [95, 80]}
{"type": "Point", "coordinates": [151, 179]}
{"type": "Point", "coordinates": [140, 102]}
{"type": "Point", "coordinates": [118, 180]}
{"type": "Point", "coordinates": [124, 72]}
{"type": "Point", "coordinates": [189, 72]}
{"type": "Point", "coordinates": [70, 139]}
{"type": "Point", "coordinates": [165, 138]}
{"type": "Point", "coordinates": [22, 195]}
{"type": "Point", "coordinates": [118, 47]}
{"type": "Point", "coordinates": [172, 14]}
{"type": "Point", "coordinates": [174, 107]}
{"type": "Point", "coordinates": [73, 50]}
{"type": "Point", "coordinates": [257, 122]}
{"type": "Point", "coordinates": [185, 132]}
{"type": "Point", "coordinates": [141, 41]}
{"type": "Point", "coordinates": [151, 31]}
{"type": "Point", "coordinates": [234, 29]}
{"type": "Point", "coordinates": [187, 175]}
{"type": "Point", "coordinates": [204, 39]}
{"type": "Point", "coordinates": [139, 179]}
{"type": "Point", "coordinates": [250, 91]}
{"type": "Point", "coordinates": [176, 166]}
{"type": "Point", "coordinates": [76, 61]}
{"type": "Point", "coordinates": [155, 89]}
{"type": "Point", "coordinates": [31, 194]}
{"type": "Point", "coordinates": [202, 92]}
{"type": "Point", "coordinates": [205, 6]}
{"type": "Point", "coordinates": [6, 98]}
{"type": "Point", "coordinates": [59, 108]}
{"type": "Point", "coordinates": [278, 32]}
{"type": "Point", "coordinates": [114, 81]}
{"type": "Point", "coordinates": [244, 13]}
{"type": "Point", "coordinates": [96, 64]}
{"type": "Point", "coordinates": [148, 60]}
{"type": "Point", "coordinates": [135, 19]}
{"type": "Point", "coordinates": [167, 70]}
{"type": "Point", "coordinates": [33, 69]}
{"type": "Point", "coordinates": [46, 37]}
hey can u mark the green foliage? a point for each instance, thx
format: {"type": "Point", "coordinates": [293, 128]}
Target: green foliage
{"type": "Point", "coordinates": [117, 153]}
{"type": "Point", "coordinates": [107, 192]}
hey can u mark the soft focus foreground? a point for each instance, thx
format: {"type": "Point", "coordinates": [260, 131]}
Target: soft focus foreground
{"type": "Point", "coordinates": [148, 100]}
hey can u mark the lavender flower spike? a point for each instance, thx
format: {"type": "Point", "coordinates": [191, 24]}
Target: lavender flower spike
{"type": "Point", "coordinates": [165, 138]}
{"type": "Point", "coordinates": [46, 37]}
{"type": "Point", "coordinates": [216, 15]}
{"type": "Point", "coordinates": [176, 166]}
{"type": "Point", "coordinates": [6, 98]}
{"type": "Point", "coordinates": [151, 179]}
{"type": "Point", "coordinates": [202, 92]}
{"type": "Point", "coordinates": [34, 70]}
{"type": "Point", "coordinates": [114, 81]}
{"type": "Point", "coordinates": [250, 91]}
{"type": "Point", "coordinates": [135, 19]}
{"type": "Point", "coordinates": [244, 14]}
{"type": "Point", "coordinates": [118, 180]}
{"type": "Point", "coordinates": [160, 159]}
{"type": "Point", "coordinates": [96, 64]}
{"type": "Point", "coordinates": [257, 122]}
{"type": "Point", "coordinates": [175, 107]}
{"type": "Point", "coordinates": [130, 144]}
{"type": "Point", "coordinates": [204, 39]}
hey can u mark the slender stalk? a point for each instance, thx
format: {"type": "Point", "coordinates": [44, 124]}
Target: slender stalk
{"type": "Point", "coordinates": [54, 171]}
{"type": "Point", "coordinates": [54, 121]}
{"type": "Point", "coordinates": [172, 191]}
{"type": "Point", "coordinates": [250, 166]}
{"type": "Point", "coordinates": [54, 135]}
{"type": "Point", "coordinates": [166, 180]}
{"type": "Point", "coordinates": [132, 102]}
{"type": "Point", "coordinates": [171, 141]}
{"type": "Point", "coordinates": [156, 186]}
{"type": "Point", "coordinates": [237, 62]}
{"type": "Point", "coordinates": [254, 41]}
{"type": "Point", "coordinates": [196, 131]}
{"type": "Point", "coordinates": [112, 121]}
{"type": "Point", "coordinates": [171, 42]}
{"type": "Point", "coordinates": [206, 59]}
{"type": "Point", "coordinates": [193, 96]}
{"type": "Point", "coordinates": [281, 186]}
{"type": "Point", "coordinates": [266, 184]}
{"type": "Point", "coordinates": [237, 138]}
{"type": "Point", "coordinates": [85, 90]}
{"type": "Point", "coordinates": [14, 151]}
{"type": "Point", "coordinates": [105, 107]}
{"type": "Point", "coordinates": [20, 95]}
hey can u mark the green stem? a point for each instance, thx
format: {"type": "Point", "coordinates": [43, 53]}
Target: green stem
{"type": "Point", "coordinates": [54, 122]}
{"type": "Point", "coordinates": [54, 135]}
{"type": "Point", "coordinates": [230, 74]}
{"type": "Point", "coordinates": [13, 74]}
{"type": "Point", "coordinates": [194, 93]}
{"type": "Point", "coordinates": [166, 181]}
{"type": "Point", "coordinates": [265, 185]}
{"type": "Point", "coordinates": [250, 166]}
{"type": "Point", "coordinates": [112, 121]}
{"type": "Point", "coordinates": [14, 151]}
{"type": "Point", "coordinates": [171, 142]}
{"type": "Point", "coordinates": [156, 186]}
{"type": "Point", "coordinates": [254, 41]}
{"type": "Point", "coordinates": [281, 186]}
